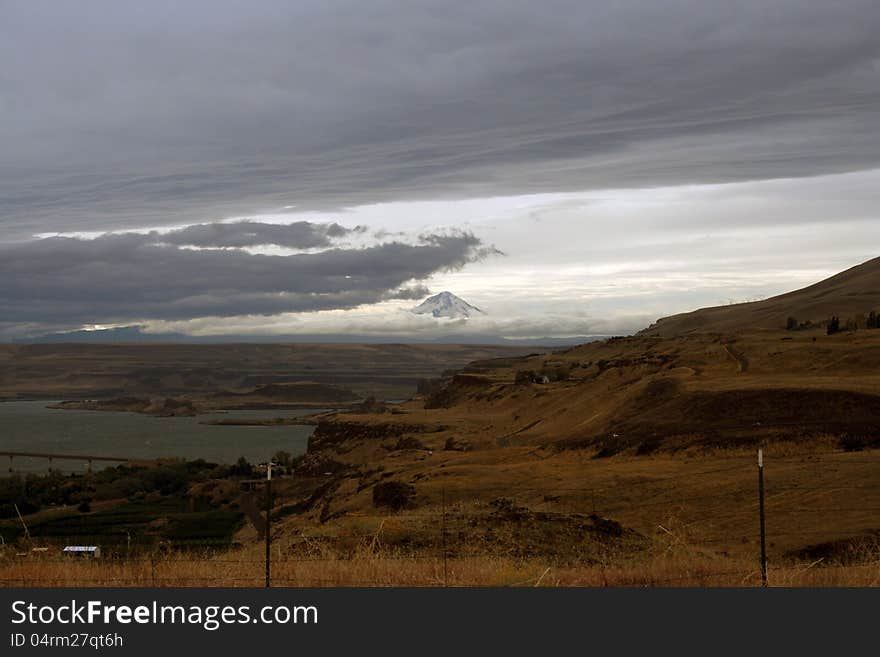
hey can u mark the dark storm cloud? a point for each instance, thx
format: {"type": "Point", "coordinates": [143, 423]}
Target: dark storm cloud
{"type": "Point", "coordinates": [67, 282]}
{"type": "Point", "coordinates": [297, 235]}
{"type": "Point", "coordinates": [121, 113]}
{"type": "Point", "coordinates": [410, 293]}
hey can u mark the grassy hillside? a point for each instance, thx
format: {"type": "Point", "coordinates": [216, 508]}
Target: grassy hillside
{"type": "Point", "coordinates": [849, 294]}
{"type": "Point", "coordinates": [656, 434]}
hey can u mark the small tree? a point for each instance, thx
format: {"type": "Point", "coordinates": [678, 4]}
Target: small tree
{"type": "Point", "coordinates": [242, 468]}
{"type": "Point", "coordinates": [833, 325]}
{"type": "Point", "coordinates": [284, 459]}
{"type": "Point", "coordinates": [791, 324]}
{"type": "Point", "coordinates": [396, 495]}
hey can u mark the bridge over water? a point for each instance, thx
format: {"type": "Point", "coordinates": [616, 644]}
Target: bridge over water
{"type": "Point", "coordinates": [63, 457]}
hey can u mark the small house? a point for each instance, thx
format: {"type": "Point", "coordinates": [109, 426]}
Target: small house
{"type": "Point", "coordinates": [82, 551]}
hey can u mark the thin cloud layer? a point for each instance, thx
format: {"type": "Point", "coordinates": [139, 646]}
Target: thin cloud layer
{"type": "Point", "coordinates": [116, 113]}
{"type": "Point", "coordinates": [64, 282]}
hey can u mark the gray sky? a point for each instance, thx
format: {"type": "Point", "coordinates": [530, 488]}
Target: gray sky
{"type": "Point", "coordinates": [629, 159]}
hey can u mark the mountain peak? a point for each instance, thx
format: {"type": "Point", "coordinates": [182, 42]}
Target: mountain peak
{"type": "Point", "coordinates": [447, 305]}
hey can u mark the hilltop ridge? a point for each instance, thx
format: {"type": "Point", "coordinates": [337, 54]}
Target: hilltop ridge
{"type": "Point", "coordinates": [853, 292]}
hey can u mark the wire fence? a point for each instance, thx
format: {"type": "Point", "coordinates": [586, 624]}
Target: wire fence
{"type": "Point", "coordinates": [698, 527]}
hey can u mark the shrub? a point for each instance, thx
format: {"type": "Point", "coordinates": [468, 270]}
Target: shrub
{"type": "Point", "coordinates": [833, 325]}
{"type": "Point", "coordinates": [649, 446]}
{"type": "Point", "coordinates": [853, 443]}
{"type": "Point", "coordinates": [284, 460]}
{"type": "Point", "coordinates": [408, 442]}
{"type": "Point", "coordinates": [456, 445]}
{"type": "Point", "coordinates": [395, 495]}
{"type": "Point", "coordinates": [524, 377]}
{"type": "Point", "coordinates": [858, 443]}
{"type": "Point", "coordinates": [560, 373]}
{"type": "Point", "coordinates": [241, 468]}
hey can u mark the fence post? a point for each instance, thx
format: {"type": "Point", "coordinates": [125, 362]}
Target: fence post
{"type": "Point", "coordinates": [443, 534]}
{"type": "Point", "coordinates": [268, 524]}
{"type": "Point", "coordinates": [761, 511]}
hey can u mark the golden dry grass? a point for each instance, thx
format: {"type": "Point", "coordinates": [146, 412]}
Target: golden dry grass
{"type": "Point", "coordinates": [697, 512]}
{"type": "Point", "coordinates": [657, 569]}
{"type": "Point", "coordinates": [702, 499]}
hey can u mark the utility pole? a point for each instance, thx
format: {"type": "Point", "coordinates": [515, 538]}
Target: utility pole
{"type": "Point", "coordinates": [443, 535]}
{"type": "Point", "coordinates": [761, 507]}
{"type": "Point", "coordinates": [268, 523]}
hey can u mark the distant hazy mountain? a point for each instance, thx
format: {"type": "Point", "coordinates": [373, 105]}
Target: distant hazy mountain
{"type": "Point", "coordinates": [134, 334]}
{"type": "Point", "coordinates": [447, 305]}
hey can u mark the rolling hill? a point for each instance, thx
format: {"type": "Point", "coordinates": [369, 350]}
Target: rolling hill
{"type": "Point", "coordinates": [848, 294]}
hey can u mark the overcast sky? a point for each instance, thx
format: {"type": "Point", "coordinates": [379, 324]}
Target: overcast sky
{"type": "Point", "coordinates": [570, 167]}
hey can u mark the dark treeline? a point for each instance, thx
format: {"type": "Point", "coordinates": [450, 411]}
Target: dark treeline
{"type": "Point", "coordinates": [835, 325]}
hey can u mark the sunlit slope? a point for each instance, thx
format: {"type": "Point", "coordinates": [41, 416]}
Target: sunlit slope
{"type": "Point", "coordinates": [644, 393]}
{"type": "Point", "coordinates": [848, 294]}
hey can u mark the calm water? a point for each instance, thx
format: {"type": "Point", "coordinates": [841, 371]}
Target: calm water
{"type": "Point", "coordinates": [31, 427]}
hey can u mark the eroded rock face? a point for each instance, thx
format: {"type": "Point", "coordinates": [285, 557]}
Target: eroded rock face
{"type": "Point", "coordinates": [319, 464]}
{"type": "Point", "coordinates": [457, 445]}
{"type": "Point", "coordinates": [329, 434]}
{"type": "Point", "coordinates": [456, 389]}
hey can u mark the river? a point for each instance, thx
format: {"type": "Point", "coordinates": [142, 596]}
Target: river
{"type": "Point", "coordinates": [28, 426]}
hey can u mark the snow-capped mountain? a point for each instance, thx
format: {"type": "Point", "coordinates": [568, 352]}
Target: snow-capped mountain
{"type": "Point", "coordinates": [447, 305]}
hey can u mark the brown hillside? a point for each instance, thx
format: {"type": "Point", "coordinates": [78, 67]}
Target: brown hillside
{"type": "Point", "coordinates": [655, 434]}
{"type": "Point", "coordinates": [853, 292]}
